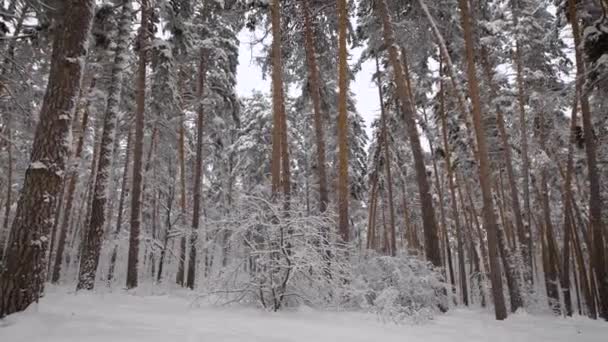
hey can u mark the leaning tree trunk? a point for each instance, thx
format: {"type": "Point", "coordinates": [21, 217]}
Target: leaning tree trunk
{"type": "Point", "coordinates": [138, 147]}
{"type": "Point", "coordinates": [22, 279]}
{"type": "Point", "coordinates": [431, 235]}
{"type": "Point", "coordinates": [489, 216]}
{"type": "Point", "coordinates": [595, 199]}
{"type": "Point", "coordinates": [94, 235]}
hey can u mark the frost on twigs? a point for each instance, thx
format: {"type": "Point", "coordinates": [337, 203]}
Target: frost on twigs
{"type": "Point", "coordinates": [281, 258]}
{"type": "Point", "coordinates": [285, 259]}
{"type": "Point", "coordinates": [401, 289]}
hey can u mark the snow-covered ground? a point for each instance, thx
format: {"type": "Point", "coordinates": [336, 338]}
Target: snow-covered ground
{"type": "Point", "coordinates": [118, 317]}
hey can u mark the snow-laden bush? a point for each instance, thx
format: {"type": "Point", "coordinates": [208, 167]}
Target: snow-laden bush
{"type": "Point", "coordinates": [398, 289]}
{"type": "Point", "coordinates": [279, 258]}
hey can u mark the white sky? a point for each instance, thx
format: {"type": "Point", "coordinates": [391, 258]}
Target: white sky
{"type": "Point", "coordinates": [249, 78]}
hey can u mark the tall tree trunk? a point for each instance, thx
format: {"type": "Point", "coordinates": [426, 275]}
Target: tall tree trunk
{"type": "Point", "coordinates": [314, 84]}
{"type": "Point", "coordinates": [182, 202]}
{"type": "Point", "coordinates": [22, 280]}
{"type": "Point", "coordinates": [431, 234]}
{"type": "Point", "coordinates": [453, 202]}
{"type": "Point", "coordinates": [94, 236]}
{"type": "Point", "coordinates": [124, 191]}
{"type": "Point", "coordinates": [343, 188]}
{"type": "Point", "coordinates": [489, 215]}
{"type": "Point", "coordinates": [511, 271]}
{"type": "Point", "coordinates": [198, 170]}
{"type": "Point", "coordinates": [595, 199]}
{"type": "Point", "coordinates": [138, 147]}
{"type": "Point", "coordinates": [524, 232]}
{"type": "Point", "coordinates": [568, 219]}
{"type": "Point", "coordinates": [71, 189]}
{"type": "Point", "coordinates": [277, 96]}
{"type": "Point", "coordinates": [387, 164]}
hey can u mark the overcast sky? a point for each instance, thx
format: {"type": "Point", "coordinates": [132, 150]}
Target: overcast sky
{"type": "Point", "coordinates": [249, 78]}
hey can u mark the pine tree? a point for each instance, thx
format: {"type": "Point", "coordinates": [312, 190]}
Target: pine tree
{"type": "Point", "coordinates": [22, 281]}
{"type": "Point", "coordinates": [92, 247]}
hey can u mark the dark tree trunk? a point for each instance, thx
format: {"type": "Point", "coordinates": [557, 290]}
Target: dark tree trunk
{"type": "Point", "coordinates": [137, 178]}
{"type": "Point", "coordinates": [22, 280]}
{"type": "Point", "coordinates": [198, 171]}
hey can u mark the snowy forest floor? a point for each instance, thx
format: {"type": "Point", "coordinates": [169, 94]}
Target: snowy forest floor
{"type": "Point", "coordinates": [122, 317]}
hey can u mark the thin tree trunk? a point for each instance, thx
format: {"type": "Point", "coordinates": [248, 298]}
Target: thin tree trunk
{"type": "Point", "coordinates": [314, 79]}
{"type": "Point", "coordinates": [22, 279]}
{"type": "Point", "coordinates": [71, 189]}
{"type": "Point", "coordinates": [121, 203]}
{"type": "Point", "coordinates": [454, 203]}
{"type": "Point", "coordinates": [182, 201]}
{"type": "Point", "coordinates": [524, 232]}
{"type": "Point", "coordinates": [568, 219]}
{"type": "Point", "coordinates": [198, 170]}
{"type": "Point", "coordinates": [583, 275]}
{"type": "Point", "coordinates": [387, 164]}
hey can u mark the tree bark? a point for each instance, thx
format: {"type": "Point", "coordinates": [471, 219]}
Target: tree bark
{"type": "Point", "coordinates": [137, 178]}
{"type": "Point", "coordinates": [71, 190]}
{"type": "Point", "coordinates": [22, 280]}
{"type": "Point", "coordinates": [277, 96]}
{"type": "Point", "coordinates": [489, 215]}
{"type": "Point", "coordinates": [343, 188]}
{"type": "Point", "coordinates": [94, 236]}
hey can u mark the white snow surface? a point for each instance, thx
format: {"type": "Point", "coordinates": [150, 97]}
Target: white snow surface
{"type": "Point", "coordinates": [118, 317]}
